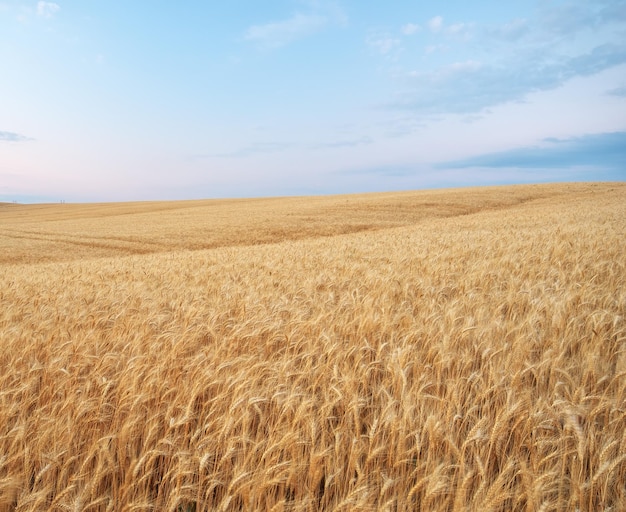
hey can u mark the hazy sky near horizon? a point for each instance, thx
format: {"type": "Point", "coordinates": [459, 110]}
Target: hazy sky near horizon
{"type": "Point", "coordinates": [110, 100]}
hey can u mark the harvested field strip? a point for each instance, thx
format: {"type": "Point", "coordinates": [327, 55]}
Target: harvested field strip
{"type": "Point", "coordinates": [123, 244]}
{"type": "Point", "coordinates": [193, 225]}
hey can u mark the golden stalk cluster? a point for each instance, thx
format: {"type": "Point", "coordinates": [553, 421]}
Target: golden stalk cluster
{"type": "Point", "coordinates": [468, 353]}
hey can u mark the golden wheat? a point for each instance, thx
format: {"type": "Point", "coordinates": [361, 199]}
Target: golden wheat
{"type": "Point", "coordinates": [444, 350]}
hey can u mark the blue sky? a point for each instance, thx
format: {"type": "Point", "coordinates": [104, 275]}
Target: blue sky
{"type": "Point", "coordinates": [107, 101]}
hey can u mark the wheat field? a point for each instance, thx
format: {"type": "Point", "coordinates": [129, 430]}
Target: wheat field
{"type": "Point", "coordinates": [442, 350]}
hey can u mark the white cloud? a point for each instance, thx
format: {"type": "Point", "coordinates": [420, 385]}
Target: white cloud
{"type": "Point", "coordinates": [280, 33]}
{"type": "Point", "coordinates": [384, 45]}
{"type": "Point", "coordinates": [433, 48]}
{"type": "Point", "coordinates": [468, 65]}
{"type": "Point", "coordinates": [410, 29]}
{"type": "Point", "coordinates": [12, 137]}
{"type": "Point", "coordinates": [436, 24]}
{"type": "Point", "coordinates": [458, 29]}
{"type": "Point", "coordinates": [47, 9]}
{"type": "Point", "coordinates": [512, 30]}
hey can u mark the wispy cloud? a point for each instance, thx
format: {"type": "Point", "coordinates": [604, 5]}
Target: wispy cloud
{"type": "Point", "coordinates": [390, 170]}
{"type": "Point", "coordinates": [435, 24]}
{"type": "Point", "coordinates": [253, 149]}
{"type": "Point", "coordinates": [551, 160]}
{"type": "Point", "coordinates": [603, 151]}
{"type": "Point", "coordinates": [433, 48]}
{"type": "Point", "coordinates": [490, 65]}
{"type": "Point", "coordinates": [471, 86]}
{"type": "Point", "coordinates": [574, 16]}
{"type": "Point", "coordinates": [351, 143]}
{"type": "Point", "coordinates": [47, 9]}
{"type": "Point", "coordinates": [402, 126]}
{"type": "Point", "coordinates": [566, 18]}
{"type": "Point", "coordinates": [459, 29]}
{"type": "Point", "coordinates": [13, 137]}
{"type": "Point", "coordinates": [280, 33]}
{"type": "Point", "coordinates": [260, 148]}
{"type": "Point", "coordinates": [618, 91]}
{"type": "Point", "coordinates": [510, 31]}
{"type": "Point", "coordinates": [612, 11]}
{"type": "Point", "coordinates": [410, 29]}
{"type": "Point", "coordinates": [384, 44]}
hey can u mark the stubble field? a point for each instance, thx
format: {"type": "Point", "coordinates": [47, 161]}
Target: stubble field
{"type": "Point", "coordinates": [439, 351]}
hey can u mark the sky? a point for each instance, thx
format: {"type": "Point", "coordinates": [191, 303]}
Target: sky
{"type": "Point", "coordinates": [118, 100]}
